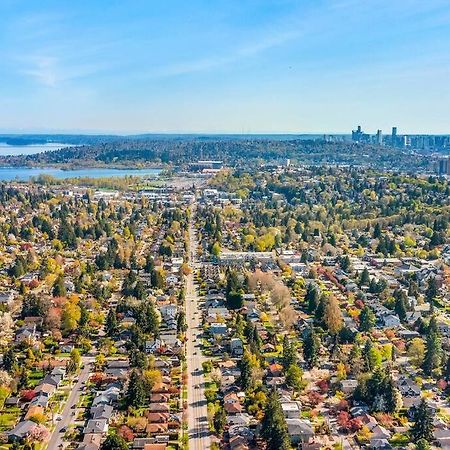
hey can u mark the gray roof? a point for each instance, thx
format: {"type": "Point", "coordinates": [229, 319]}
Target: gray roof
{"type": "Point", "coordinates": [22, 429]}
{"type": "Point", "coordinates": [101, 412]}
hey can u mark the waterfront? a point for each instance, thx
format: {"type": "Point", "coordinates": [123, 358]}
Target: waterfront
{"type": "Point", "coordinates": [15, 150]}
{"type": "Point", "coordinates": [25, 173]}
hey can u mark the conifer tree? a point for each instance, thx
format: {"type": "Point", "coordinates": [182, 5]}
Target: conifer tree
{"type": "Point", "coordinates": [311, 348]}
{"type": "Point", "coordinates": [273, 427]}
{"type": "Point", "coordinates": [135, 395]}
{"type": "Point", "coordinates": [423, 423]}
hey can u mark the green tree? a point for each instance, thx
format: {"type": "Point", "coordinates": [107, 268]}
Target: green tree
{"type": "Point", "coordinates": [392, 396]}
{"type": "Point", "coordinates": [433, 352]}
{"type": "Point", "coordinates": [181, 322]}
{"type": "Point", "coordinates": [215, 249]}
{"type": "Point", "coordinates": [345, 263]}
{"type": "Point", "coordinates": [289, 354]}
{"type": "Point", "coordinates": [274, 429]}
{"type": "Point", "coordinates": [364, 278]}
{"type": "Point", "coordinates": [59, 289]}
{"type": "Point", "coordinates": [10, 362]}
{"type": "Point", "coordinates": [246, 371]}
{"type": "Point", "coordinates": [311, 298]}
{"type": "Point", "coordinates": [423, 423]}
{"type": "Point", "coordinates": [422, 444]}
{"type": "Point", "coordinates": [135, 395]}
{"type": "Point", "coordinates": [219, 420]}
{"type": "Point", "coordinates": [111, 322]}
{"type": "Point", "coordinates": [432, 290]}
{"type": "Point", "coordinates": [366, 319]}
{"type": "Point", "coordinates": [114, 442]}
{"type": "Point", "coordinates": [294, 377]}
{"type": "Point", "coordinates": [400, 308]}
{"type": "Point", "coordinates": [74, 361]}
{"type": "Point", "coordinates": [311, 347]}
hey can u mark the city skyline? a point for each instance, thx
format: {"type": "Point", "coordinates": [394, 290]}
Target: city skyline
{"type": "Point", "coordinates": [232, 67]}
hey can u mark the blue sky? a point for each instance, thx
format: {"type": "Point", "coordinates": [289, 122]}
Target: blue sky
{"type": "Point", "coordinates": [224, 65]}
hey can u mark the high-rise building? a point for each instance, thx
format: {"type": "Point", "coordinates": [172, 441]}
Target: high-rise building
{"type": "Point", "coordinates": [444, 166]}
{"type": "Point", "coordinates": [359, 136]}
{"type": "Point", "coordinates": [394, 136]}
{"type": "Point", "coordinates": [379, 140]}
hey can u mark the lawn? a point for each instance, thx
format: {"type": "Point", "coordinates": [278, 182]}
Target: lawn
{"type": "Point", "coordinates": [34, 377]}
{"type": "Point", "coordinates": [86, 400]}
{"type": "Point", "coordinates": [399, 440]}
{"type": "Point", "coordinates": [8, 418]}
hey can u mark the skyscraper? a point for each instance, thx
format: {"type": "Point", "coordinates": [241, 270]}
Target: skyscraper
{"type": "Point", "coordinates": [379, 140]}
{"type": "Point", "coordinates": [444, 166]}
{"type": "Point", "coordinates": [394, 136]}
{"type": "Point", "coordinates": [359, 136]}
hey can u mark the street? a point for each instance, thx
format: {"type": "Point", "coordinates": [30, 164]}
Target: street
{"type": "Point", "coordinates": [198, 428]}
{"type": "Point", "coordinates": [68, 414]}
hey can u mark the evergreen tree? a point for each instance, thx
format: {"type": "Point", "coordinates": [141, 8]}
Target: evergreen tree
{"type": "Point", "coordinates": [393, 398]}
{"type": "Point", "coordinates": [181, 322]}
{"type": "Point", "coordinates": [111, 323]}
{"type": "Point", "coordinates": [149, 264]}
{"type": "Point", "coordinates": [254, 341]}
{"type": "Point", "coordinates": [273, 427]}
{"type": "Point", "coordinates": [345, 264]}
{"type": "Point", "coordinates": [320, 310]}
{"type": "Point", "coordinates": [157, 279]}
{"type": "Point", "coordinates": [400, 308]}
{"type": "Point", "coordinates": [355, 359]}
{"type": "Point", "coordinates": [84, 315]}
{"type": "Point", "coordinates": [433, 352]}
{"type": "Point", "coordinates": [432, 290]}
{"type": "Point", "coordinates": [377, 231]}
{"type": "Point", "coordinates": [59, 289]}
{"type": "Point", "coordinates": [364, 278]}
{"type": "Point", "coordinates": [311, 347]}
{"type": "Point", "coordinates": [366, 355]}
{"type": "Point", "coordinates": [311, 298]}
{"type": "Point", "coordinates": [234, 300]}
{"type": "Point", "coordinates": [289, 354]}
{"type": "Point", "coordinates": [366, 319]}
{"type": "Point", "coordinates": [10, 362]}
{"type": "Point", "coordinates": [294, 377]}
{"type": "Point", "coordinates": [135, 395]}
{"type": "Point", "coordinates": [246, 371]}
{"type": "Point", "coordinates": [423, 423]}
{"type": "Point", "coordinates": [138, 359]}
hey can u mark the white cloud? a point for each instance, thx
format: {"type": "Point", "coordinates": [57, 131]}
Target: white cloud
{"type": "Point", "coordinates": [43, 69]}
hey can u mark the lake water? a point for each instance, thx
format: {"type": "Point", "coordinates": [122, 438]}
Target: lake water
{"type": "Point", "coordinates": [25, 173]}
{"type": "Point", "coordinates": [9, 150]}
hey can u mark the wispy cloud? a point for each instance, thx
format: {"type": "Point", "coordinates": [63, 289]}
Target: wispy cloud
{"type": "Point", "coordinates": [43, 69]}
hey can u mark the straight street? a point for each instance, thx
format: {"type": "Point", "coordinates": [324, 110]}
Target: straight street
{"type": "Point", "coordinates": [198, 428]}
{"type": "Point", "coordinates": [68, 414]}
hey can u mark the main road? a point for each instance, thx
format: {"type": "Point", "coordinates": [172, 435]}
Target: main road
{"type": "Point", "coordinates": [68, 413]}
{"type": "Point", "coordinates": [198, 428]}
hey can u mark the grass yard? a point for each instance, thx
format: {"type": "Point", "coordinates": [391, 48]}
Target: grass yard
{"type": "Point", "coordinates": [34, 377]}
{"type": "Point", "coordinates": [399, 440]}
{"type": "Point", "coordinates": [8, 418]}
